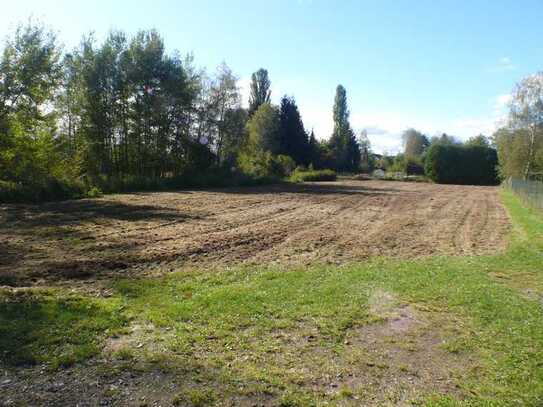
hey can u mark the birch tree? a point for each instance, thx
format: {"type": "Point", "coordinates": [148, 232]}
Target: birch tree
{"type": "Point", "coordinates": [225, 98]}
{"type": "Point", "coordinates": [526, 113]}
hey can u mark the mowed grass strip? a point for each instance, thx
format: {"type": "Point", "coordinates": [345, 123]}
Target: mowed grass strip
{"type": "Point", "coordinates": [439, 331]}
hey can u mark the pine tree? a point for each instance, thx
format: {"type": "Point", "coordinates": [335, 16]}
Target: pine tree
{"type": "Point", "coordinates": [294, 141]}
{"type": "Point", "coordinates": [314, 150]}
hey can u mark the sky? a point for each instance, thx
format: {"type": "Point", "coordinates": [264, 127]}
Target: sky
{"type": "Point", "coordinates": [437, 66]}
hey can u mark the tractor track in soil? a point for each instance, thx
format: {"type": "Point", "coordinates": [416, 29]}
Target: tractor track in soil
{"type": "Point", "coordinates": [328, 222]}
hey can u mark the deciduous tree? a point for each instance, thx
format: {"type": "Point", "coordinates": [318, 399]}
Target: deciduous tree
{"type": "Point", "coordinates": [260, 92]}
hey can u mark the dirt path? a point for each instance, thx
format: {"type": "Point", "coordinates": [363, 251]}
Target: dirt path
{"type": "Point", "coordinates": [332, 222]}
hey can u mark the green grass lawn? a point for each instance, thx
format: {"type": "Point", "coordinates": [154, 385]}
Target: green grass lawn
{"type": "Point", "coordinates": [440, 331]}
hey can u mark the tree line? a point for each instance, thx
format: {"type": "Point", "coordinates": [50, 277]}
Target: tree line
{"type": "Point", "coordinates": [125, 113]}
{"type": "Point", "coordinates": [125, 110]}
{"type": "Point", "coordinates": [515, 150]}
{"type": "Point", "coordinates": [444, 159]}
{"type": "Point", "coordinates": [520, 141]}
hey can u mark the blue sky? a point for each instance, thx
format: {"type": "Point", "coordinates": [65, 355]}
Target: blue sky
{"type": "Point", "coordinates": [444, 66]}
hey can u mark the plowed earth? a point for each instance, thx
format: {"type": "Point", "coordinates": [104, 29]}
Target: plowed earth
{"type": "Point", "coordinates": [336, 222]}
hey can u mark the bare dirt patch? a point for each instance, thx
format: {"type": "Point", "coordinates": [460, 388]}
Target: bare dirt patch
{"type": "Point", "coordinates": [403, 356]}
{"type": "Point", "coordinates": [334, 222]}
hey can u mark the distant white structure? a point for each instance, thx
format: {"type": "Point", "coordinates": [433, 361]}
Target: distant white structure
{"type": "Point", "coordinates": [378, 173]}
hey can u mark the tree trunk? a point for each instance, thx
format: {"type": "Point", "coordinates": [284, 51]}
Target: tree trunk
{"type": "Point", "coordinates": [530, 159]}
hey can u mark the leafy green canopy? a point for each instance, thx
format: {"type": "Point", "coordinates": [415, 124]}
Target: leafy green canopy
{"type": "Point", "coordinates": [462, 164]}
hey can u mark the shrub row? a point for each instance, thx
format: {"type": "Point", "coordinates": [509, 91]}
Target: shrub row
{"type": "Point", "coordinates": [461, 164]}
{"type": "Point", "coordinates": [55, 190]}
{"type": "Point", "coordinates": [312, 175]}
{"type": "Point", "coordinates": [51, 190]}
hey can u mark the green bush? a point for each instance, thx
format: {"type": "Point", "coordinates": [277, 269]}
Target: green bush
{"type": "Point", "coordinates": [265, 164]}
{"type": "Point", "coordinates": [283, 166]}
{"type": "Point", "coordinates": [215, 177]}
{"type": "Point", "coordinates": [50, 190]}
{"type": "Point", "coordinates": [459, 164]}
{"type": "Point", "coordinates": [315, 175]}
{"type": "Point", "coordinates": [414, 166]}
{"type": "Point", "coordinates": [407, 165]}
{"type": "Point", "coordinates": [94, 192]}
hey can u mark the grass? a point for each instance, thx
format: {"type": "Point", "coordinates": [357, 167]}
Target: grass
{"type": "Point", "coordinates": [301, 336]}
{"type": "Point", "coordinates": [49, 326]}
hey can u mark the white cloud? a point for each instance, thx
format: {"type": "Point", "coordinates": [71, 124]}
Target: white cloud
{"type": "Point", "coordinates": [504, 64]}
{"type": "Point", "coordinates": [468, 127]}
{"type": "Point", "coordinates": [465, 128]}
{"type": "Point", "coordinates": [502, 101]}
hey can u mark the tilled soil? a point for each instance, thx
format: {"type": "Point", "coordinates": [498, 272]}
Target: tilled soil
{"type": "Point", "coordinates": [79, 244]}
{"type": "Point", "coordinates": [328, 222]}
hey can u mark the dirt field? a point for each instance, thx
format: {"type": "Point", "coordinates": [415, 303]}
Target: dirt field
{"type": "Point", "coordinates": [334, 222]}
{"type": "Point", "coordinates": [394, 333]}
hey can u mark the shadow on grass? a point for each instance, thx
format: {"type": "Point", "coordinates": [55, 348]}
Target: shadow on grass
{"type": "Point", "coordinates": [37, 328]}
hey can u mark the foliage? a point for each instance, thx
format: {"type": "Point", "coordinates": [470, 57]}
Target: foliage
{"type": "Point", "coordinates": [125, 113]}
{"type": "Point", "coordinates": [301, 175]}
{"type": "Point", "coordinates": [52, 189]}
{"type": "Point", "coordinates": [293, 137]}
{"type": "Point", "coordinates": [343, 143]}
{"type": "Point", "coordinates": [314, 150]}
{"type": "Point", "coordinates": [260, 92]}
{"type": "Point", "coordinates": [367, 160]}
{"type": "Point", "coordinates": [459, 164]}
{"type": "Point", "coordinates": [479, 140]}
{"type": "Point", "coordinates": [513, 149]}
{"type": "Point", "coordinates": [225, 114]}
{"type": "Point", "coordinates": [235, 136]}
{"type": "Point", "coordinates": [264, 131]}
{"type": "Point", "coordinates": [212, 177]}
{"type": "Point", "coordinates": [94, 192]}
{"type": "Point", "coordinates": [30, 73]}
{"type": "Point", "coordinates": [383, 162]}
{"type": "Point", "coordinates": [526, 113]}
{"type": "Point", "coordinates": [118, 114]}
{"type": "Point", "coordinates": [283, 165]}
{"type": "Point", "coordinates": [262, 164]}
{"type": "Point", "coordinates": [415, 143]}
{"type": "Point", "coordinates": [444, 139]}
{"type": "Point", "coordinates": [409, 165]}
{"type": "Point", "coordinates": [520, 142]}
{"type": "Point", "coordinates": [414, 166]}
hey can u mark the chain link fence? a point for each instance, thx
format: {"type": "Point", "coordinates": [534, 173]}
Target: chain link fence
{"type": "Point", "coordinates": [531, 192]}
